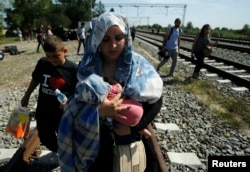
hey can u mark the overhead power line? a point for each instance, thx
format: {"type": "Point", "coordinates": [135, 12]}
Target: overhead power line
{"type": "Point", "coordinates": [138, 5]}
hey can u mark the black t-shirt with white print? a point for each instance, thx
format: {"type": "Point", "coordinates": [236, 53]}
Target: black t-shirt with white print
{"type": "Point", "coordinates": [51, 77]}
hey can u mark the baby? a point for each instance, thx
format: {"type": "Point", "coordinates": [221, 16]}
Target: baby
{"type": "Point", "coordinates": [133, 114]}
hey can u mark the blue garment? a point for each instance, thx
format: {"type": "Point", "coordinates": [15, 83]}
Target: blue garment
{"type": "Point", "coordinates": [171, 48]}
{"type": "Point", "coordinates": [78, 136]}
{"type": "Point", "coordinates": [172, 43]}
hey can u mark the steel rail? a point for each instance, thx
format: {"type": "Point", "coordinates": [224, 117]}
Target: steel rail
{"type": "Point", "coordinates": [233, 45]}
{"type": "Point", "coordinates": [158, 151]}
{"type": "Point", "coordinates": [234, 78]}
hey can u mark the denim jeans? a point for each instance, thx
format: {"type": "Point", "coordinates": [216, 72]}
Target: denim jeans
{"type": "Point", "coordinates": [81, 42]}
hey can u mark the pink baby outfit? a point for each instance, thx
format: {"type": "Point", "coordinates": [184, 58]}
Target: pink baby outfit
{"type": "Point", "coordinates": [133, 114]}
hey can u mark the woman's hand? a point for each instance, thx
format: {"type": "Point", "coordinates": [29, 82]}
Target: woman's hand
{"type": "Point", "coordinates": [112, 107]}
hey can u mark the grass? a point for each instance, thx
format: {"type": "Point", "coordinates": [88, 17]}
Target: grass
{"type": "Point", "coordinates": [15, 68]}
{"type": "Point", "coordinates": [6, 40]}
{"type": "Point", "coordinates": [231, 110]}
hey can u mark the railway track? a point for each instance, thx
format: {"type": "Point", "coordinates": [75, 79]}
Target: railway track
{"type": "Point", "coordinates": [229, 44]}
{"type": "Point", "coordinates": [238, 73]}
{"type": "Point", "coordinates": [224, 40]}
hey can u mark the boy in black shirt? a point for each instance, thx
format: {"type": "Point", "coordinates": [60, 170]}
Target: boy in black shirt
{"type": "Point", "coordinates": [52, 72]}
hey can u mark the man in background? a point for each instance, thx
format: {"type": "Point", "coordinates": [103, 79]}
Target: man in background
{"type": "Point", "coordinates": [81, 36]}
{"type": "Point", "coordinates": [171, 45]}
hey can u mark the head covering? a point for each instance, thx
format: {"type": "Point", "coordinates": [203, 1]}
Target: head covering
{"type": "Point", "coordinates": [92, 60]}
{"type": "Point", "coordinates": [103, 23]}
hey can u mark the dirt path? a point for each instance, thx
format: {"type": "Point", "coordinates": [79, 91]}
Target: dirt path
{"type": "Point", "coordinates": [15, 70]}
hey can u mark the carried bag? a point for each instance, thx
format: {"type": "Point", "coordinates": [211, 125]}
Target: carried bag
{"type": "Point", "coordinates": [130, 157]}
{"type": "Point", "coordinates": [207, 50]}
{"type": "Point", "coordinates": [19, 123]}
{"type": "Point", "coordinates": [162, 54]}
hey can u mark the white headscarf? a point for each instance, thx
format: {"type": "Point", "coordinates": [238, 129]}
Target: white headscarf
{"type": "Point", "coordinates": [103, 23]}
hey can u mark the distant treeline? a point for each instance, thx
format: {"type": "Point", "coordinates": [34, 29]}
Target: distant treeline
{"type": "Point", "coordinates": [243, 33]}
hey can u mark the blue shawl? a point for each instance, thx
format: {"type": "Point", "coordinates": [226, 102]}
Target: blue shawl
{"type": "Point", "coordinates": [78, 135]}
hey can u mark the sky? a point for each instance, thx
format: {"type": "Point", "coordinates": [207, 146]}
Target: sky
{"type": "Point", "coordinates": [232, 14]}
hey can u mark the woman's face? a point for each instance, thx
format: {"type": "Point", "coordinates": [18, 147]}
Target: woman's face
{"type": "Point", "coordinates": [207, 30]}
{"type": "Point", "coordinates": [112, 44]}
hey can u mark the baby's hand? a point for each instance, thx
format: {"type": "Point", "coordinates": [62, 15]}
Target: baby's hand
{"type": "Point", "coordinates": [146, 133]}
{"type": "Point", "coordinates": [119, 88]}
{"type": "Point", "coordinates": [114, 82]}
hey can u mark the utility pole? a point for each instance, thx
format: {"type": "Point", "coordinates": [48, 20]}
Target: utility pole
{"type": "Point", "coordinates": [137, 10]}
{"type": "Point", "coordinates": [90, 10]}
{"type": "Point", "coordinates": [120, 8]}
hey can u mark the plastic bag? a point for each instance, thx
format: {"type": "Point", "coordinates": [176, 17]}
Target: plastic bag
{"type": "Point", "coordinates": [19, 123]}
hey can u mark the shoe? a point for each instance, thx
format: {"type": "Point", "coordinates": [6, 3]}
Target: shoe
{"type": "Point", "coordinates": [157, 69]}
{"type": "Point", "coordinates": [49, 159]}
{"type": "Point", "coordinates": [170, 75]}
{"type": "Point", "coordinates": [195, 75]}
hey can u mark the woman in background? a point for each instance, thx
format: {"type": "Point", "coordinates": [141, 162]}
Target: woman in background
{"type": "Point", "coordinates": [202, 40]}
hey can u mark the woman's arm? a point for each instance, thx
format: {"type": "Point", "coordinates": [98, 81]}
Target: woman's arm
{"type": "Point", "coordinates": [213, 43]}
{"type": "Point", "coordinates": [150, 112]}
{"type": "Point", "coordinates": [194, 44]}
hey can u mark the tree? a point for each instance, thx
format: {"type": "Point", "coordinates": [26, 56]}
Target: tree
{"type": "Point", "coordinates": [57, 17]}
{"type": "Point", "coordinates": [156, 26]}
{"type": "Point", "coordinates": [1, 17]}
{"type": "Point", "coordinates": [189, 26]}
{"type": "Point", "coordinates": [77, 10]}
{"type": "Point", "coordinates": [66, 13]}
{"type": "Point", "coordinates": [27, 12]}
{"type": "Point", "coordinates": [246, 27]}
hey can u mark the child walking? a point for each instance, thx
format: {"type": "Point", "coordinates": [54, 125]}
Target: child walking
{"type": "Point", "coordinates": [52, 72]}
